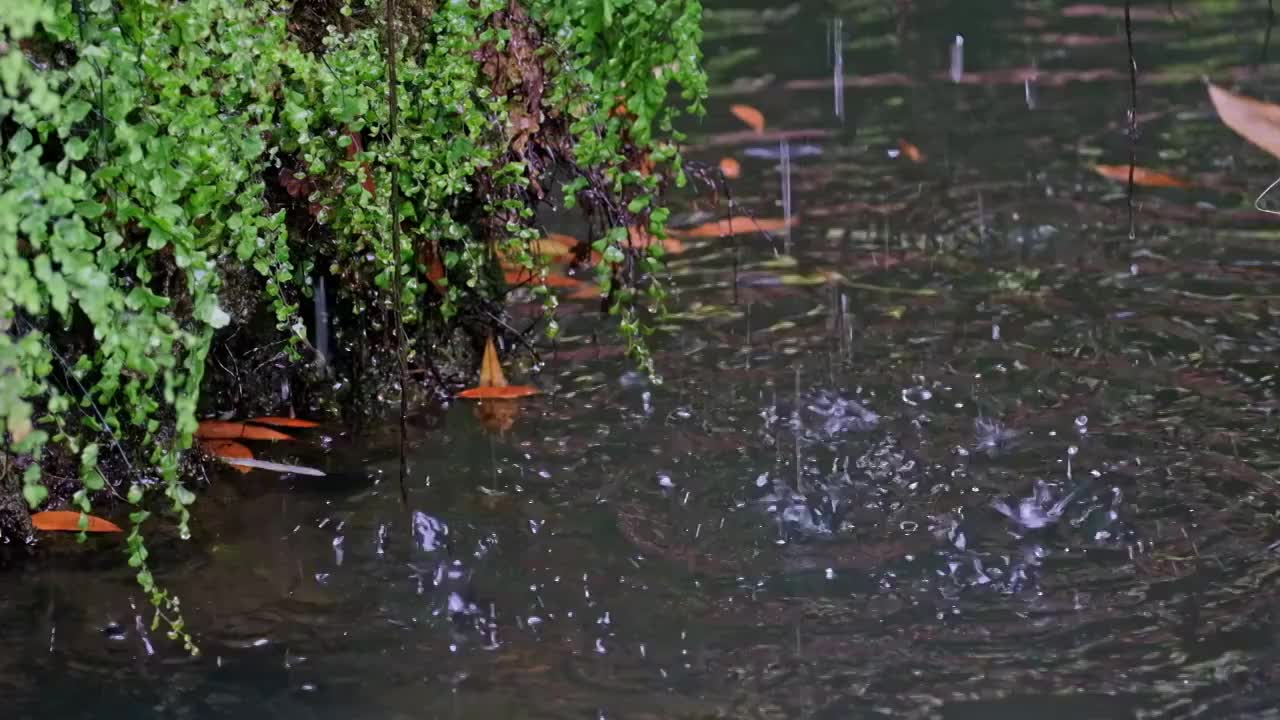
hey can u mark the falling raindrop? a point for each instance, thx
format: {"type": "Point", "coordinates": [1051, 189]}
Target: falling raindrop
{"type": "Point", "coordinates": [957, 59]}
{"type": "Point", "coordinates": [322, 321]}
{"type": "Point", "coordinates": [837, 75]}
{"type": "Point", "coordinates": [784, 151]}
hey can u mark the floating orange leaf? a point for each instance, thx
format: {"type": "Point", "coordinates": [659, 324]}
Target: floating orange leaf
{"type": "Point", "coordinates": [738, 226]}
{"type": "Point", "coordinates": [554, 246]}
{"type": "Point", "coordinates": [69, 521]}
{"type": "Point", "coordinates": [506, 392]}
{"type": "Point", "coordinates": [284, 422]}
{"type": "Point", "coordinates": [586, 292]}
{"type": "Point", "coordinates": [226, 430]}
{"type": "Point", "coordinates": [555, 280]}
{"type": "Point", "coordinates": [911, 152]}
{"type": "Point", "coordinates": [491, 374]}
{"type": "Point", "coordinates": [753, 118]}
{"type": "Point", "coordinates": [493, 382]}
{"type": "Point", "coordinates": [731, 168]}
{"type": "Point", "coordinates": [228, 450]}
{"type": "Point", "coordinates": [641, 238]}
{"type": "Point", "coordinates": [1141, 176]}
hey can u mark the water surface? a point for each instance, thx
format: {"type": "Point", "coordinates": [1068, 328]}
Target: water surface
{"type": "Point", "coordinates": [950, 445]}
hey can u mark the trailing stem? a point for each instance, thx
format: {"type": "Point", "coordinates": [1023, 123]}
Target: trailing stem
{"type": "Point", "coordinates": [398, 257]}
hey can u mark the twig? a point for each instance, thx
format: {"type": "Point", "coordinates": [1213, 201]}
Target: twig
{"type": "Point", "coordinates": [1133, 113]}
{"type": "Point", "coordinates": [393, 199]}
{"type": "Point", "coordinates": [519, 336]}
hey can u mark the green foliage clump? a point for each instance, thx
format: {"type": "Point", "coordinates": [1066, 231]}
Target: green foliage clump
{"type": "Point", "coordinates": [151, 150]}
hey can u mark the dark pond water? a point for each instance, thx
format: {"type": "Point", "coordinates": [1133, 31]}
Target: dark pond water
{"type": "Point", "coordinates": [951, 445]}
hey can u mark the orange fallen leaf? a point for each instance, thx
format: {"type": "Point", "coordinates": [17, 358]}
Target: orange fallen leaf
{"type": "Point", "coordinates": [555, 280]}
{"type": "Point", "coordinates": [493, 382]}
{"type": "Point", "coordinates": [911, 151]}
{"type": "Point", "coordinates": [284, 422]}
{"type": "Point", "coordinates": [588, 292]}
{"type": "Point", "coordinates": [1141, 176]}
{"type": "Point", "coordinates": [69, 521]}
{"type": "Point", "coordinates": [226, 430]}
{"type": "Point", "coordinates": [506, 392]}
{"type": "Point", "coordinates": [731, 168]}
{"type": "Point", "coordinates": [228, 450]}
{"type": "Point", "coordinates": [491, 374]}
{"type": "Point", "coordinates": [753, 118]}
{"type": "Point", "coordinates": [1254, 120]}
{"type": "Point", "coordinates": [641, 238]}
{"type": "Point", "coordinates": [738, 226]}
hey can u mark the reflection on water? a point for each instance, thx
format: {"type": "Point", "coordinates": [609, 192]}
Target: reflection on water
{"type": "Point", "coordinates": [949, 445]}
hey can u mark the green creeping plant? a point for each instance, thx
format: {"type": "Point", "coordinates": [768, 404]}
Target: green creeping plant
{"type": "Point", "coordinates": [141, 146]}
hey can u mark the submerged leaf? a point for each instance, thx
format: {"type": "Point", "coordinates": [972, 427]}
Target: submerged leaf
{"type": "Point", "coordinates": [1254, 120]}
{"type": "Point", "coordinates": [555, 280]}
{"type": "Point", "coordinates": [749, 115]}
{"type": "Point", "coordinates": [1141, 176]}
{"type": "Point", "coordinates": [273, 466]}
{"type": "Point", "coordinates": [226, 430]}
{"type": "Point", "coordinates": [69, 521]}
{"type": "Point", "coordinates": [284, 422]}
{"type": "Point", "coordinates": [736, 226]}
{"type": "Point", "coordinates": [911, 152]}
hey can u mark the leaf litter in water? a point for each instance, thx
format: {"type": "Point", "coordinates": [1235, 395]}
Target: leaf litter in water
{"type": "Point", "coordinates": [742, 225]}
{"type": "Point", "coordinates": [228, 450]}
{"type": "Point", "coordinates": [284, 422]}
{"type": "Point", "coordinates": [911, 152]}
{"type": "Point", "coordinates": [1254, 120]}
{"type": "Point", "coordinates": [1141, 176]}
{"type": "Point", "coordinates": [753, 118]}
{"type": "Point", "coordinates": [493, 382]}
{"type": "Point", "coordinates": [228, 430]}
{"type": "Point", "coordinates": [69, 521]}
{"type": "Point", "coordinates": [243, 464]}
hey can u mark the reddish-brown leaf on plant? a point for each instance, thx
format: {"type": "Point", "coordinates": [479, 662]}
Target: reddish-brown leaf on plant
{"type": "Point", "coordinates": [69, 521]}
{"type": "Point", "coordinates": [228, 430]}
